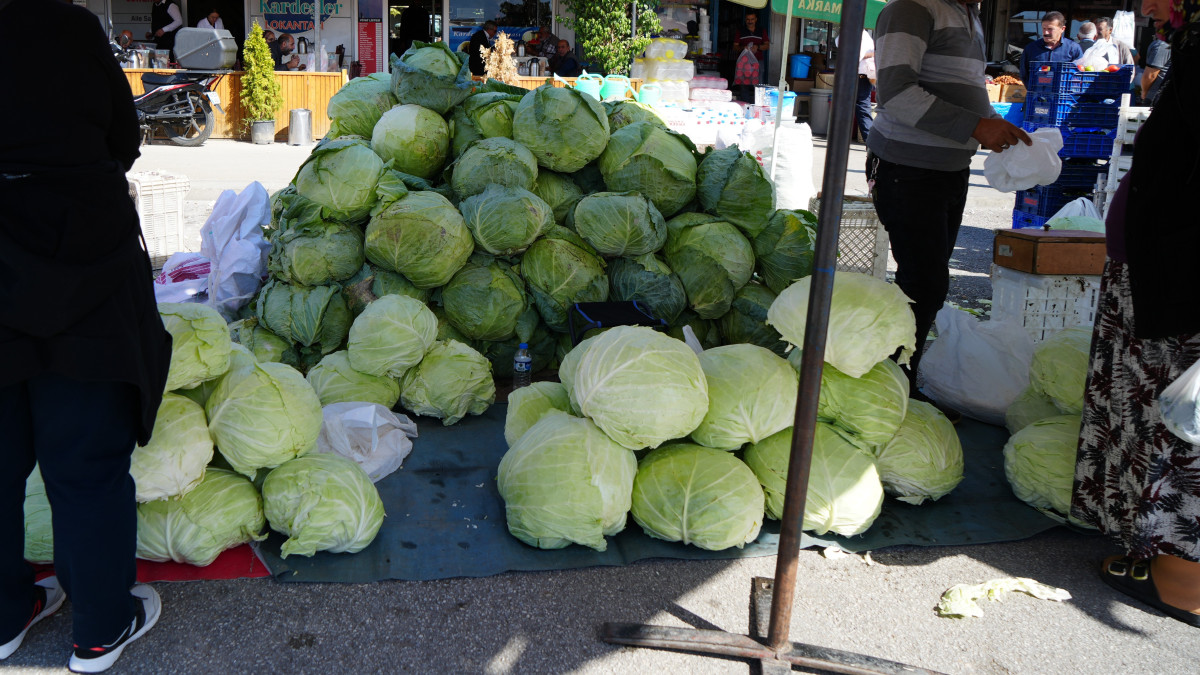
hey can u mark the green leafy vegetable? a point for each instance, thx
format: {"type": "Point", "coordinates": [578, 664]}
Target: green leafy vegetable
{"type": "Point", "coordinates": [173, 462]}
{"type": "Point", "coordinates": [222, 512]}
{"type": "Point", "coordinates": [322, 502]}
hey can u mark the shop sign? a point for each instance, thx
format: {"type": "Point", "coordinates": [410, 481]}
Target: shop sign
{"type": "Point", "coordinates": [296, 16]}
{"type": "Point", "coordinates": [824, 10]}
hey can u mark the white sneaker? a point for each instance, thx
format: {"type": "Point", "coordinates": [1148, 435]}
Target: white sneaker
{"type": "Point", "coordinates": [49, 599]}
{"type": "Point", "coordinates": [100, 659]}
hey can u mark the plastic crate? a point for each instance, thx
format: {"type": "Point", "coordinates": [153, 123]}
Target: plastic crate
{"type": "Point", "coordinates": [1011, 112]}
{"type": "Point", "coordinates": [1022, 220]}
{"type": "Point", "coordinates": [1081, 175]}
{"type": "Point", "coordinates": [1059, 110]}
{"type": "Point", "coordinates": [1042, 200]}
{"type": "Point", "coordinates": [1066, 78]}
{"type": "Point", "coordinates": [1044, 303]}
{"type": "Point", "coordinates": [159, 200]}
{"type": "Point", "coordinates": [1082, 143]}
{"type": "Point", "coordinates": [862, 241]}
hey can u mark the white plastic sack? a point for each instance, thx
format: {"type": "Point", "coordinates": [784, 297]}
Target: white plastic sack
{"type": "Point", "coordinates": [1024, 166]}
{"type": "Point", "coordinates": [727, 135]}
{"type": "Point", "coordinates": [232, 239]}
{"type": "Point", "coordinates": [1100, 55]}
{"type": "Point", "coordinates": [184, 278]}
{"type": "Point", "coordinates": [1079, 214]}
{"type": "Point", "coordinates": [792, 171]}
{"type": "Point", "coordinates": [367, 433]}
{"type": "Point", "coordinates": [1123, 27]}
{"type": "Point", "coordinates": [1179, 405]}
{"type": "Point", "coordinates": [977, 367]}
{"type": "Point", "coordinates": [757, 139]}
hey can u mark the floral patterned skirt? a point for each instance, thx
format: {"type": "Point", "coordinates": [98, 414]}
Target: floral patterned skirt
{"type": "Point", "coordinates": [1134, 479]}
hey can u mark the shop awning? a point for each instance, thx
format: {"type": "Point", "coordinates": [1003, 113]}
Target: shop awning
{"type": "Point", "coordinates": [816, 10]}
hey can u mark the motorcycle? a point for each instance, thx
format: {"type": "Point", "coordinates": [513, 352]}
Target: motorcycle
{"type": "Point", "coordinates": [180, 104]}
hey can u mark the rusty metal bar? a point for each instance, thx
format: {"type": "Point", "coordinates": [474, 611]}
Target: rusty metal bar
{"type": "Point", "coordinates": [833, 187]}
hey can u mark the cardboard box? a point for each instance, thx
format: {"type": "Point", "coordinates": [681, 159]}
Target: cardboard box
{"type": "Point", "coordinates": [1012, 93]}
{"type": "Point", "coordinates": [1049, 251]}
{"type": "Point", "coordinates": [800, 85]}
{"type": "Point", "coordinates": [994, 92]}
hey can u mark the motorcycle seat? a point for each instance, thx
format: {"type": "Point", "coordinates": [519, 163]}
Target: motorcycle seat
{"type": "Point", "coordinates": [159, 79]}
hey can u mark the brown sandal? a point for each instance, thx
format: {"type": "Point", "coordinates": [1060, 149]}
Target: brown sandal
{"type": "Point", "coordinates": [1132, 577]}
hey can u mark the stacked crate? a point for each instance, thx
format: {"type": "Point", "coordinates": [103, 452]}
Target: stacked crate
{"type": "Point", "coordinates": [1085, 108]}
{"type": "Point", "coordinates": [1129, 120]}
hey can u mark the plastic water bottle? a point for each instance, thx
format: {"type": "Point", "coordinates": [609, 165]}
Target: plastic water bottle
{"type": "Point", "coordinates": [522, 367]}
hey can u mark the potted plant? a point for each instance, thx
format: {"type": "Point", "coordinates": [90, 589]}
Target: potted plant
{"type": "Point", "coordinates": [261, 93]}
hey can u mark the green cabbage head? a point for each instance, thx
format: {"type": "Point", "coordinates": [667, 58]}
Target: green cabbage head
{"type": "Point", "coordinates": [336, 381]}
{"type": "Point", "coordinates": [559, 192]}
{"type": "Point", "coordinates": [564, 482]}
{"type": "Point", "coordinates": [262, 415]}
{"type": "Point", "coordinates": [528, 405]}
{"type": "Point", "coordinates": [623, 113]}
{"type": "Point", "coordinates": [712, 259]}
{"type": "Point", "coordinates": [173, 462]}
{"type": "Point", "coordinates": [699, 496]}
{"type": "Point", "coordinates": [451, 382]}
{"type": "Point", "coordinates": [620, 224]}
{"type": "Point", "coordinates": [1059, 368]}
{"type": "Point", "coordinates": [358, 105]}
{"type": "Point", "coordinates": [502, 161]}
{"type": "Point", "coordinates": [314, 316]}
{"type": "Point", "coordinates": [563, 128]}
{"type": "Point", "coordinates": [731, 184]}
{"type": "Point", "coordinates": [751, 393]}
{"type": "Point", "coordinates": [647, 280]}
{"type": "Point", "coordinates": [431, 75]}
{"type": "Point", "coordinates": [1028, 407]}
{"type": "Point", "coordinates": [391, 335]}
{"type": "Point", "coordinates": [222, 512]}
{"type": "Point", "coordinates": [746, 320]}
{"type": "Point", "coordinates": [485, 300]}
{"type": "Point", "coordinates": [506, 220]}
{"type": "Point", "coordinates": [868, 320]}
{"type": "Point", "coordinates": [322, 502]}
{"type": "Point", "coordinates": [869, 408]}
{"type": "Point", "coordinates": [415, 140]}
{"type": "Point", "coordinates": [200, 343]}
{"type": "Point", "coordinates": [561, 269]}
{"type": "Point", "coordinates": [39, 531]}
{"type": "Point", "coordinates": [311, 251]}
{"type": "Point", "coordinates": [845, 494]}
{"type": "Point", "coordinates": [341, 176]}
{"type": "Point", "coordinates": [644, 157]}
{"type": "Point", "coordinates": [421, 236]}
{"type": "Point", "coordinates": [372, 283]}
{"type": "Point", "coordinates": [641, 387]}
{"type": "Point", "coordinates": [492, 112]}
{"type": "Point", "coordinates": [1039, 462]}
{"type": "Point", "coordinates": [263, 344]}
{"type": "Point", "coordinates": [785, 248]}
{"type": "Point", "coordinates": [924, 460]}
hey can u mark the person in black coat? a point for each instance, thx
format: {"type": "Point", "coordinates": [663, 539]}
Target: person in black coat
{"type": "Point", "coordinates": [83, 352]}
{"type": "Point", "coordinates": [481, 39]}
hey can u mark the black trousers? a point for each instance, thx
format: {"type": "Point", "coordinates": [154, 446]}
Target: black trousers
{"type": "Point", "coordinates": [82, 435]}
{"type": "Point", "coordinates": [921, 209]}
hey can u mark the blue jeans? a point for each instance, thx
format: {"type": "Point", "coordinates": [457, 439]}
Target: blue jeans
{"type": "Point", "coordinates": [82, 435]}
{"type": "Point", "coordinates": [862, 107]}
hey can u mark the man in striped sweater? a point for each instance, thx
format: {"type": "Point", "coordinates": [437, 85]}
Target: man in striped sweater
{"type": "Point", "coordinates": [934, 115]}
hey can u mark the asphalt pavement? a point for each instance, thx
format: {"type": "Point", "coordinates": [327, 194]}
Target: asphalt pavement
{"type": "Point", "coordinates": [549, 622]}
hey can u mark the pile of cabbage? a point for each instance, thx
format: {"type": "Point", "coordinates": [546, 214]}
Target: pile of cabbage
{"type": "Point", "coordinates": [233, 452]}
{"type": "Point", "coordinates": [1044, 420]}
{"type": "Point", "coordinates": [695, 446]}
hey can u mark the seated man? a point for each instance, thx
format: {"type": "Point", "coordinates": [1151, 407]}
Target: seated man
{"type": "Point", "coordinates": [564, 63]}
{"type": "Point", "coordinates": [547, 43]}
{"type": "Point", "coordinates": [280, 49]}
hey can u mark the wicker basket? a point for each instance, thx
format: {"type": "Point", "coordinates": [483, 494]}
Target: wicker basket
{"type": "Point", "coordinates": [862, 241]}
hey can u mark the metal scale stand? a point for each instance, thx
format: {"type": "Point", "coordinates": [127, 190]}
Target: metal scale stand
{"type": "Point", "coordinates": [771, 600]}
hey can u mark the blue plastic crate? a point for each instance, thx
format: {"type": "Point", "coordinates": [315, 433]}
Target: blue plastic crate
{"type": "Point", "coordinates": [1011, 112]}
{"type": "Point", "coordinates": [1066, 78]}
{"type": "Point", "coordinates": [1066, 110]}
{"type": "Point", "coordinates": [1042, 200]}
{"type": "Point", "coordinates": [1023, 220]}
{"type": "Point", "coordinates": [1080, 175]}
{"type": "Point", "coordinates": [1082, 142]}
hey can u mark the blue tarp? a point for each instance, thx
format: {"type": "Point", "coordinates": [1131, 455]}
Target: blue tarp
{"type": "Point", "coordinates": [445, 517]}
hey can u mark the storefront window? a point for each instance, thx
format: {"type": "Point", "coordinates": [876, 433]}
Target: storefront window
{"type": "Point", "coordinates": [514, 18]}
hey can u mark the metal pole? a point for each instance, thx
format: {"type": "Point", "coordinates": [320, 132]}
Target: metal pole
{"type": "Point", "coordinates": [833, 188]}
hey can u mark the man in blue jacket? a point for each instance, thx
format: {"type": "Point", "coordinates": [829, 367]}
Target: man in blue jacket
{"type": "Point", "coordinates": [1053, 47]}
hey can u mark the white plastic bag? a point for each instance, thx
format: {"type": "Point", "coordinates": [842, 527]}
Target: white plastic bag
{"type": "Point", "coordinates": [1179, 405]}
{"type": "Point", "coordinates": [232, 239]}
{"type": "Point", "coordinates": [184, 278]}
{"type": "Point", "coordinates": [1123, 27]}
{"type": "Point", "coordinates": [1079, 214]}
{"type": "Point", "coordinates": [977, 367]}
{"type": "Point", "coordinates": [792, 169]}
{"type": "Point", "coordinates": [1100, 55]}
{"type": "Point", "coordinates": [1024, 166]}
{"type": "Point", "coordinates": [368, 433]}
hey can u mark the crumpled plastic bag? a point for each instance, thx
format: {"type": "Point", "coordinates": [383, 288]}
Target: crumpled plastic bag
{"type": "Point", "coordinates": [184, 278]}
{"type": "Point", "coordinates": [1179, 405]}
{"type": "Point", "coordinates": [232, 239]}
{"type": "Point", "coordinates": [1078, 214]}
{"type": "Point", "coordinates": [1024, 166]}
{"type": "Point", "coordinates": [369, 434]}
{"type": "Point", "coordinates": [960, 601]}
{"type": "Point", "coordinates": [977, 367]}
{"type": "Point", "coordinates": [1100, 55]}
